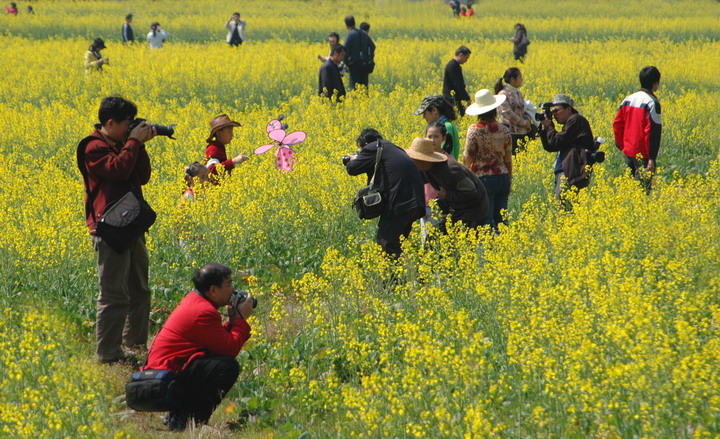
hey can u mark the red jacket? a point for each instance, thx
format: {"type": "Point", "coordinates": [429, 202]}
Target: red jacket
{"type": "Point", "coordinates": [638, 125]}
{"type": "Point", "coordinates": [112, 172]}
{"type": "Point", "coordinates": [195, 330]}
{"type": "Point", "coordinates": [214, 154]}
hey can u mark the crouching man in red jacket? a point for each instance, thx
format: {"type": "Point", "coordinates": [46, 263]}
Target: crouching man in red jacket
{"type": "Point", "coordinates": [196, 345]}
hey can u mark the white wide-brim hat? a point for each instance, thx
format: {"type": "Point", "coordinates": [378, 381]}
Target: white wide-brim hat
{"type": "Point", "coordinates": [484, 102]}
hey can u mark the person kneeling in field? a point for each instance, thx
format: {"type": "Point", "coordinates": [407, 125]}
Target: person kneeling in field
{"type": "Point", "coordinates": [199, 349]}
{"type": "Point", "coordinates": [460, 192]}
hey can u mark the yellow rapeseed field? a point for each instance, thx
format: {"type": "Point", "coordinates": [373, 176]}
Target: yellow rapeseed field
{"type": "Point", "coordinates": [600, 322]}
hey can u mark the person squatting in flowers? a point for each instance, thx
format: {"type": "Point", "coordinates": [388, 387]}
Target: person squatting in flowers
{"type": "Point", "coordinates": [196, 345]}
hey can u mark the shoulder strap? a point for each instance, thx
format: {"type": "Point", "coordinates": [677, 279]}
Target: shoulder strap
{"type": "Point", "coordinates": [378, 157]}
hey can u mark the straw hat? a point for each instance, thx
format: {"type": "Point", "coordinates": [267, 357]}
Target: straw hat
{"type": "Point", "coordinates": [484, 102]}
{"type": "Point", "coordinates": [220, 122]}
{"type": "Point", "coordinates": [423, 150]}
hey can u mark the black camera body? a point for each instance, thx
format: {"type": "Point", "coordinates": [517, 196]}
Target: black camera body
{"type": "Point", "coordinates": [546, 114]}
{"type": "Point", "coordinates": [596, 156]}
{"type": "Point", "coordinates": [345, 160]}
{"type": "Point", "coordinates": [239, 296]}
{"type": "Point", "coordinates": [160, 130]}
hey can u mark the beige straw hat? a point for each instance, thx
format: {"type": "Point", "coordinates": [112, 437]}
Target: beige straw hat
{"type": "Point", "coordinates": [423, 150]}
{"type": "Point", "coordinates": [484, 102]}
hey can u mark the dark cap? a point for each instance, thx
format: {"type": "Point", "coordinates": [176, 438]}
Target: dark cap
{"type": "Point", "coordinates": [99, 43]}
{"type": "Point", "coordinates": [431, 101]}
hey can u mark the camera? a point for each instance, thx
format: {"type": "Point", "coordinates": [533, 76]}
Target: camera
{"type": "Point", "coordinates": [239, 297]}
{"type": "Point", "coordinates": [596, 156]}
{"type": "Point", "coordinates": [546, 114]}
{"type": "Point", "coordinates": [345, 160]}
{"type": "Point", "coordinates": [160, 130]}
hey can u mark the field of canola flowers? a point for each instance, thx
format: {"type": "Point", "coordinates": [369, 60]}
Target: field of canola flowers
{"type": "Point", "coordinates": [602, 322]}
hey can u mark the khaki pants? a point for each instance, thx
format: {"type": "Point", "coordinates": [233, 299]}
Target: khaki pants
{"type": "Point", "coordinates": [123, 306]}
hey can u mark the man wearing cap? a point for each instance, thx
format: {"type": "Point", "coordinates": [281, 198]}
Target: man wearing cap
{"type": "Point", "coordinates": [461, 193]}
{"type": "Point", "coordinates": [196, 346]}
{"type": "Point", "coordinates": [638, 127]}
{"type": "Point", "coordinates": [93, 59]}
{"type": "Point", "coordinates": [401, 187]}
{"type": "Point", "coordinates": [454, 81]}
{"type": "Point", "coordinates": [330, 81]}
{"type": "Point", "coordinates": [221, 134]}
{"type": "Point", "coordinates": [575, 134]}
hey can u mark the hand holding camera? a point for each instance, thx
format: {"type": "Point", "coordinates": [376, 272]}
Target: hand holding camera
{"type": "Point", "coordinates": [243, 303]}
{"type": "Point", "coordinates": [142, 132]}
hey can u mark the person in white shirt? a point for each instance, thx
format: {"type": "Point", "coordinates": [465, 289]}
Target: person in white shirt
{"type": "Point", "coordinates": [236, 30]}
{"type": "Point", "coordinates": [157, 36]}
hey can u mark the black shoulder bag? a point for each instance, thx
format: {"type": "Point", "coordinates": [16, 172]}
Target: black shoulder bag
{"type": "Point", "coordinates": [124, 220]}
{"type": "Point", "coordinates": [153, 391]}
{"type": "Point", "coordinates": [368, 201]}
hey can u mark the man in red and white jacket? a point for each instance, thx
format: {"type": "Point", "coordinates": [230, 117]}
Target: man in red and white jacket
{"type": "Point", "coordinates": [638, 126]}
{"type": "Point", "coordinates": [196, 345]}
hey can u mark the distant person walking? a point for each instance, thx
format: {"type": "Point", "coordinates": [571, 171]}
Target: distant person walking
{"type": "Point", "coordinates": [12, 9]}
{"type": "Point", "coordinates": [127, 32]}
{"type": "Point", "coordinates": [94, 60]}
{"type": "Point", "coordinates": [521, 42]}
{"type": "Point", "coordinates": [454, 81]}
{"type": "Point", "coordinates": [512, 111]}
{"type": "Point", "coordinates": [638, 127]}
{"type": "Point", "coordinates": [330, 77]}
{"type": "Point", "coordinates": [236, 30]}
{"type": "Point", "coordinates": [157, 36]}
{"type": "Point", "coordinates": [488, 153]}
{"type": "Point", "coordinates": [359, 54]}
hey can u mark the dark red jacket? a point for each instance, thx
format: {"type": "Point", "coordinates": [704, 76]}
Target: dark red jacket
{"type": "Point", "coordinates": [195, 330]}
{"type": "Point", "coordinates": [216, 151]}
{"type": "Point", "coordinates": [112, 173]}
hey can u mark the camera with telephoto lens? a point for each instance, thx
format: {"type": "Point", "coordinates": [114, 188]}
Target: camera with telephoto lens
{"type": "Point", "coordinates": [239, 297]}
{"type": "Point", "coordinates": [596, 156]}
{"type": "Point", "coordinates": [160, 130]}
{"type": "Point", "coordinates": [546, 114]}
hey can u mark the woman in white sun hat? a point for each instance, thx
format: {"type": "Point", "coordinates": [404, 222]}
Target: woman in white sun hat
{"type": "Point", "coordinates": [488, 153]}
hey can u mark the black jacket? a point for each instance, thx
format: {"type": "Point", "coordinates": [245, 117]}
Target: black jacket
{"type": "Point", "coordinates": [359, 50]}
{"type": "Point", "coordinates": [401, 183]}
{"type": "Point", "coordinates": [465, 195]}
{"type": "Point", "coordinates": [330, 80]}
{"type": "Point", "coordinates": [453, 81]}
{"type": "Point", "coordinates": [576, 133]}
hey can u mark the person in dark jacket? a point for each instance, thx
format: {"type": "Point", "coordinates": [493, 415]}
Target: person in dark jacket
{"type": "Point", "coordinates": [520, 42]}
{"type": "Point", "coordinates": [330, 81]}
{"type": "Point", "coordinates": [195, 344]}
{"type": "Point", "coordinates": [401, 187]}
{"type": "Point", "coordinates": [360, 54]}
{"type": "Point", "coordinates": [575, 134]}
{"type": "Point", "coordinates": [127, 32]}
{"type": "Point", "coordinates": [454, 81]}
{"type": "Point", "coordinates": [114, 161]}
{"type": "Point", "coordinates": [461, 194]}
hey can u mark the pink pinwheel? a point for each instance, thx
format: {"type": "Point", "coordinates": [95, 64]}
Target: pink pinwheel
{"type": "Point", "coordinates": [285, 154]}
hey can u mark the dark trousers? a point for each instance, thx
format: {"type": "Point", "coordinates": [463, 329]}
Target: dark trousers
{"type": "Point", "coordinates": [498, 192]}
{"type": "Point", "coordinates": [204, 384]}
{"type": "Point", "coordinates": [391, 228]}
{"type": "Point", "coordinates": [358, 75]}
{"type": "Point", "coordinates": [637, 170]}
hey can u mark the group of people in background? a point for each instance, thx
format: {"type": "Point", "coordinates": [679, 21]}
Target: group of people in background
{"type": "Point", "coordinates": [155, 38]}
{"type": "Point", "coordinates": [12, 9]}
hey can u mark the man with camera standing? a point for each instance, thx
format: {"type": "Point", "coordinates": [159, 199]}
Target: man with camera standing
{"type": "Point", "coordinates": [196, 346]}
{"type": "Point", "coordinates": [359, 54]}
{"type": "Point", "coordinates": [570, 143]}
{"type": "Point", "coordinates": [114, 162]}
{"type": "Point", "coordinates": [401, 184]}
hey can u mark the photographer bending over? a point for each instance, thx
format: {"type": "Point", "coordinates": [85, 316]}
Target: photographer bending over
{"type": "Point", "coordinates": [194, 344]}
{"type": "Point", "coordinates": [570, 143]}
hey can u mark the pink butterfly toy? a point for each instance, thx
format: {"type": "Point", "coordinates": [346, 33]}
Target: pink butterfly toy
{"type": "Point", "coordinates": [285, 154]}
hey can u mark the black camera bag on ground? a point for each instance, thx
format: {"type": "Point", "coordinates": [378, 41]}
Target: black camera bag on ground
{"type": "Point", "coordinates": [152, 391]}
{"type": "Point", "coordinates": [124, 220]}
{"type": "Point", "coordinates": [368, 201]}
